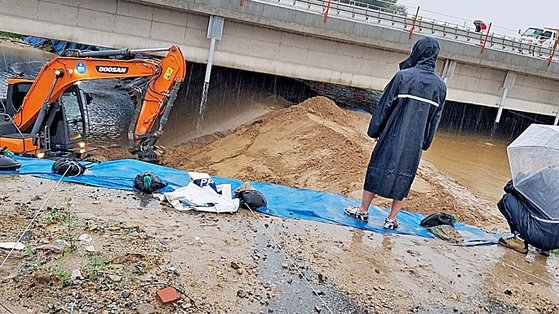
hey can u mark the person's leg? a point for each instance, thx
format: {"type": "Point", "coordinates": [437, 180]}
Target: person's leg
{"type": "Point", "coordinates": [390, 222]}
{"type": "Point", "coordinates": [505, 210]}
{"type": "Point", "coordinates": [361, 212]}
{"type": "Point", "coordinates": [397, 205]}
{"type": "Point", "coordinates": [366, 200]}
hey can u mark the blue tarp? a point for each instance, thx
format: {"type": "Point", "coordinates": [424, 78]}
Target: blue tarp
{"type": "Point", "coordinates": [283, 201]}
{"type": "Point", "coordinates": [60, 46]}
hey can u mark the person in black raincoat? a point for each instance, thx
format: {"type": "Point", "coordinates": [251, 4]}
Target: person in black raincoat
{"type": "Point", "coordinates": [403, 124]}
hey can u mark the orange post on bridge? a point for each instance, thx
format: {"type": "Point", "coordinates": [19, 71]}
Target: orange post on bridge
{"type": "Point", "coordinates": [414, 22]}
{"type": "Point", "coordinates": [485, 40]}
{"type": "Point", "coordinates": [552, 52]}
{"type": "Point", "coordinates": [327, 10]}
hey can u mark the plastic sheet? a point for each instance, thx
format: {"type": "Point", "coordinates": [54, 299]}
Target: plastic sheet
{"type": "Point", "coordinates": [283, 201]}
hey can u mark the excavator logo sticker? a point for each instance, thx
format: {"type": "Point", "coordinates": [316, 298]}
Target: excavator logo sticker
{"type": "Point", "coordinates": [168, 73]}
{"type": "Point", "coordinates": [111, 69]}
{"type": "Point", "coordinates": [80, 67]}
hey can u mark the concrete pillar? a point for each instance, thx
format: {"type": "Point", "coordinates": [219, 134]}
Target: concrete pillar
{"type": "Point", "coordinates": [507, 85]}
{"type": "Point", "coordinates": [501, 104]}
{"type": "Point", "coordinates": [448, 69]}
{"type": "Point", "coordinates": [215, 31]}
{"type": "Point", "coordinates": [556, 121]}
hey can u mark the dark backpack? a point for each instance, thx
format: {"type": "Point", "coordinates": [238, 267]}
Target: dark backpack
{"type": "Point", "coordinates": [68, 167]}
{"type": "Point", "coordinates": [252, 199]}
{"type": "Point", "coordinates": [148, 182]}
{"type": "Point", "coordinates": [438, 219]}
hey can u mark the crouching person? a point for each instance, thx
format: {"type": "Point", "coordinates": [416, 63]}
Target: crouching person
{"type": "Point", "coordinates": [528, 224]}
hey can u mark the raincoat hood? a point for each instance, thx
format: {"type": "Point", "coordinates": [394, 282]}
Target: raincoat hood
{"type": "Point", "coordinates": [424, 55]}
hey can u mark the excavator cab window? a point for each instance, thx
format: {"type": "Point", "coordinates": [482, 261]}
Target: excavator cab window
{"type": "Point", "coordinates": [74, 113]}
{"type": "Point", "coordinates": [16, 93]}
{"type": "Point", "coordinates": [67, 121]}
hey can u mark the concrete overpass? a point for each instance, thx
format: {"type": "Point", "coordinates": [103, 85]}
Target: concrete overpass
{"type": "Point", "coordinates": [291, 38]}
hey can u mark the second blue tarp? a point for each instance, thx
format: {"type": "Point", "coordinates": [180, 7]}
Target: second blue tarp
{"type": "Point", "coordinates": [283, 201]}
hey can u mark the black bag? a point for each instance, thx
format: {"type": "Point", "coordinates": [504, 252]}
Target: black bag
{"type": "Point", "coordinates": [438, 219]}
{"type": "Point", "coordinates": [7, 162]}
{"type": "Point", "coordinates": [148, 182]}
{"type": "Point", "coordinates": [252, 199]}
{"type": "Point", "coordinates": [68, 167]}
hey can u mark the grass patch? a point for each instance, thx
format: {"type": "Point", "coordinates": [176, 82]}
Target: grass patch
{"type": "Point", "coordinates": [94, 266]}
{"type": "Point", "coordinates": [62, 274]}
{"type": "Point", "coordinates": [64, 216]}
{"type": "Point", "coordinates": [11, 35]}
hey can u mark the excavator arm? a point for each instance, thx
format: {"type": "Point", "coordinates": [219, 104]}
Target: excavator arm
{"type": "Point", "coordinates": [164, 78]}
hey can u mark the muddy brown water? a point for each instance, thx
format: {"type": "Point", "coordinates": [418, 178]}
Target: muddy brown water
{"type": "Point", "coordinates": [476, 161]}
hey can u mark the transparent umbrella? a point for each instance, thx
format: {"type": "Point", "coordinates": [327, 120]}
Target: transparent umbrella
{"type": "Point", "coordinates": [534, 165]}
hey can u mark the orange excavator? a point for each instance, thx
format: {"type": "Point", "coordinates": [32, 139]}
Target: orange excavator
{"type": "Point", "coordinates": [47, 116]}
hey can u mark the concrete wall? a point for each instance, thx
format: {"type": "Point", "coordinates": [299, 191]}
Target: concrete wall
{"type": "Point", "coordinates": [265, 38]}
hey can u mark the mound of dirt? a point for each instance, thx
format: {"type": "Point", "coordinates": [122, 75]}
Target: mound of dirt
{"type": "Point", "coordinates": [314, 145]}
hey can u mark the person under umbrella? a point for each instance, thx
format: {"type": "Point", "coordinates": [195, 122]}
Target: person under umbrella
{"type": "Point", "coordinates": [480, 25]}
{"type": "Point", "coordinates": [531, 202]}
{"type": "Point", "coordinates": [527, 224]}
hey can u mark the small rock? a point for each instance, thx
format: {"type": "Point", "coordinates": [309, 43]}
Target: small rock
{"type": "Point", "coordinates": [413, 253]}
{"type": "Point", "coordinates": [115, 278]}
{"type": "Point", "coordinates": [317, 308]}
{"type": "Point", "coordinates": [35, 198]}
{"type": "Point", "coordinates": [240, 271]}
{"type": "Point", "coordinates": [173, 271]}
{"type": "Point", "coordinates": [241, 293]}
{"type": "Point", "coordinates": [137, 269]}
{"type": "Point", "coordinates": [76, 274]}
{"type": "Point", "coordinates": [90, 248]}
{"type": "Point", "coordinates": [84, 237]}
{"type": "Point", "coordinates": [321, 277]}
{"type": "Point", "coordinates": [26, 236]}
{"type": "Point", "coordinates": [508, 291]}
{"type": "Point", "coordinates": [235, 265]}
{"type": "Point", "coordinates": [145, 309]}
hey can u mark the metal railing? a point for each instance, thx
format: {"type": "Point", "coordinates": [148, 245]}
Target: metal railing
{"type": "Point", "coordinates": [369, 14]}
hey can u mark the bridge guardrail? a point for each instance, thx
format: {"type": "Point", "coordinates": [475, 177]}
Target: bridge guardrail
{"type": "Point", "coordinates": [370, 14]}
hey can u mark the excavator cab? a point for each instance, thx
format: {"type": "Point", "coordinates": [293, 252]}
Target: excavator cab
{"type": "Point", "coordinates": [11, 137]}
{"type": "Point", "coordinates": [65, 128]}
